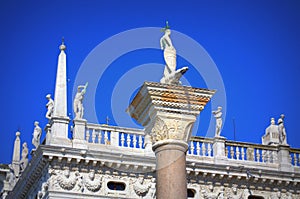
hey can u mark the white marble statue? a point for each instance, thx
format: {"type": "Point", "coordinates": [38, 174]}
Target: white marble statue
{"type": "Point", "coordinates": [218, 116]}
{"type": "Point", "coordinates": [37, 132]}
{"type": "Point", "coordinates": [171, 75]}
{"type": "Point", "coordinates": [49, 106]}
{"type": "Point", "coordinates": [77, 104]}
{"type": "Point", "coordinates": [24, 157]}
{"type": "Point", "coordinates": [281, 130]}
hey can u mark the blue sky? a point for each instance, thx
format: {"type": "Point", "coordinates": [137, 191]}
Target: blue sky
{"type": "Point", "coordinates": [254, 44]}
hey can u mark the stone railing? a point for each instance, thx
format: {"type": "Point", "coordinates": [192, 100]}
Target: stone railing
{"type": "Point", "coordinates": [200, 146]}
{"type": "Point", "coordinates": [115, 136]}
{"type": "Point", "coordinates": [295, 157]}
{"type": "Point", "coordinates": [251, 152]}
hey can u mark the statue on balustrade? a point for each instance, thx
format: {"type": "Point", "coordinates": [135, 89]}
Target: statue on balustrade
{"type": "Point", "coordinates": [171, 75]}
{"type": "Point", "coordinates": [281, 130]}
{"type": "Point", "coordinates": [49, 106]}
{"type": "Point", "coordinates": [36, 134]}
{"type": "Point", "coordinates": [218, 116]}
{"type": "Point", "coordinates": [24, 157]}
{"type": "Point", "coordinates": [77, 104]}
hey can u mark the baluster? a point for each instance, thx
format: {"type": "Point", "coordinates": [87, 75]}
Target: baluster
{"type": "Point", "coordinates": [257, 155]}
{"type": "Point", "coordinates": [192, 147]}
{"type": "Point", "coordinates": [99, 137]}
{"type": "Point", "coordinates": [263, 155]}
{"type": "Point", "coordinates": [203, 149]}
{"type": "Point", "coordinates": [122, 139]}
{"type": "Point", "coordinates": [87, 135]}
{"type": "Point", "coordinates": [275, 156]}
{"type": "Point", "coordinates": [267, 156]}
{"type": "Point", "coordinates": [93, 136]}
{"type": "Point", "coordinates": [128, 140]}
{"type": "Point", "coordinates": [134, 141]}
{"type": "Point", "coordinates": [226, 151]}
{"type": "Point", "coordinates": [237, 153]}
{"type": "Point", "coordinates": [140, 141]}
{"type": "Point", "coordinates": [271, 158]}
{"type": "Point", "coordinates": [298, 159]}
{"type": "Point", "coordinates": [231, 152]}
{"type": "Point", "coordinates": [295, 159]}
{"type": "Point", "coordinates": [198, 148]}
{"type": "Point", "coordinates": [243, 153]}
{"type": "Point", "coordinates": [105, 137]}
{"type": "Point", "coordinates": [209, 149]}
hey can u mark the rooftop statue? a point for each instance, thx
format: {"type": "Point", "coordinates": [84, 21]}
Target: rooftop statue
{"type": "Point", "coordinates": [218, 116]}
{"type": "Point", "coordinates": [36, 134]}
{"type": "Point", "coordinates": [171, 75]}
{"type": "Point", "coordinates": [24, 155]}
{"type": "Point", "coordinates": [77, 104]}
{"type": "Point", "coordinates": [49, 106]}
{"type": "Point", "coordinates": [281, 130]}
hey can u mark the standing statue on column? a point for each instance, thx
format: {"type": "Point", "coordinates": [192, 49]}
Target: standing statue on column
{"type": "Point", "coordinates": [77, 104]}
{"type": "Point", "coordinates": [218, 116]}
{"type": "Point", "coordinates": [37, 132]}
{"type": "Point", "coordinates": [49, 106]}
{"type": "Point", "coordinates": [281, 130]}
{"type": "Point", "coordinates": [24, 157]}
{"type": "Point", "coordinates": [171, 75]}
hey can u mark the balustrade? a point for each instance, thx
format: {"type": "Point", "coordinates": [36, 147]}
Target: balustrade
{"type": "Point", "coordinates": [116, 136]}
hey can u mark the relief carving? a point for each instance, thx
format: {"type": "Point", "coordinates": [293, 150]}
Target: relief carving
{"type": "Point", "coordinates": [141, 188]}
{"type": "Point", "coordinates": [167, 129]}
{"type": "Point", "coordinates": [92, 183]}
{"type": "Point", "coordinates": [63, 179]}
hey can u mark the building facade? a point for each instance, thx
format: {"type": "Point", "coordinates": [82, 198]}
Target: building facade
{"type": "Point", "coordinates": [103, 161]}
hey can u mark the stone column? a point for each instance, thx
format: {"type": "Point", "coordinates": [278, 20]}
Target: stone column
{"type": "Point", "coordinates": [79, 133]}
{"type": "Point", "coordinates": [168, 113]}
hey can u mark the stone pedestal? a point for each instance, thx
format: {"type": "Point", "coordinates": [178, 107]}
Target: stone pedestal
{"type": "Point", "coordinates": [79, 133]}
{"type": "Point", "coordinates": [219, 149]}
{"type": "Point", "coordinates": [168, 113]}
{"type": "Point", "coordinates": [284, 158]}
{"type": "Point", "coordinates": [59, 131]}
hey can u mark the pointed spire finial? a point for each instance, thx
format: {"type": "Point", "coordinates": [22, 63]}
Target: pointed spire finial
{"type": "Point", "coordinates": [62, 46]}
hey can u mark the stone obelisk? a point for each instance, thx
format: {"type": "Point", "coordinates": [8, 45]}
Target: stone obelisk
{"type": "Point", "coordinates": [168, 111]}
{"type": "Point", "coordinates": [59, 120]}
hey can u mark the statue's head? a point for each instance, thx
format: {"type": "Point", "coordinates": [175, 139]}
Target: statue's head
{"type": "Point", "coordinates": [272, 120]}
{"type": "Point", "coordinates": [141, 180]}
{"type": "Point", "coordinates": [36, 123]}
{"type": "Point", "coordinates": [166, 29]}
{"type": "Point", "coordinates": [24, 145]}
{"type": "Point", "coordinates": [67, 173]}
{"type": "Point", "coordinates": [48, 96]}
